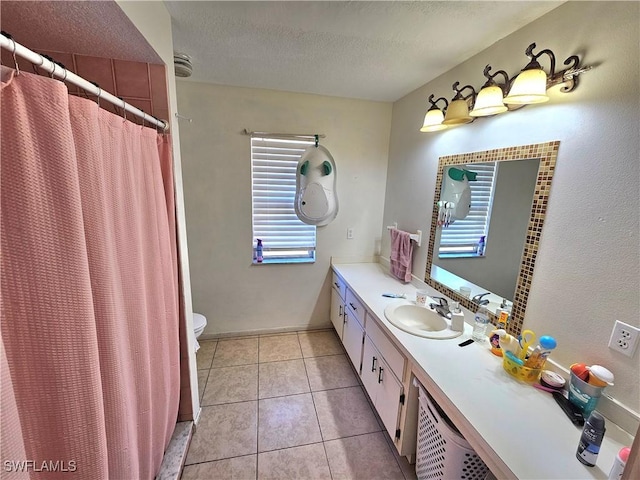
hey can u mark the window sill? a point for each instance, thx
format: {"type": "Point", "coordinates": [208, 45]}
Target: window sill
{"type": "Point", "coordinates": [459, 255]}
{"type": "Point", "coordinates": [280, 261]}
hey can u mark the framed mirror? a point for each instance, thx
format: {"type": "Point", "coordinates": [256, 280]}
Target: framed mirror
{"type": "Point", "coordinates": [515, 214]}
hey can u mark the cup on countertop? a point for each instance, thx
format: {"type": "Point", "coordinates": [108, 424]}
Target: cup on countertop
{"type": "Point", "coordinates": [465, 292]}
{"type": "Point", "coordinates": [421, 297]}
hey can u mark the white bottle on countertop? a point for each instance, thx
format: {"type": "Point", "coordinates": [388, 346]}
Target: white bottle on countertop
{"type": "Point", "coordinates": [457, 318]}
{"type": "Point", "coordinates": [618, 464]}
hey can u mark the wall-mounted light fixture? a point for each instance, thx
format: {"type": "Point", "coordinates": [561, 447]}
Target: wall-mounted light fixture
{"type": "Point", "coordinates": [458, 111]}
{"type": "Point", "coordinates": [434, 117]}
{"type": "Point", "coordinates": [490, 100]}
{"type": "Point", "coordinates": [528, 87]}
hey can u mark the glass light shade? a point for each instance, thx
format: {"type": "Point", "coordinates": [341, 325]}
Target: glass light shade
{"type": "Point", "coordinates": [529, 87]}
{"type": "Point", "coordinates": [488, 102]}
{"type": "Point", "coordinates": [433, 121]}
{"type": "Point", "coordinates": [457, 113]}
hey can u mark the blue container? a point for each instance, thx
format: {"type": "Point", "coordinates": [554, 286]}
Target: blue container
{"type": "Point", "coordinates": [584, 395]}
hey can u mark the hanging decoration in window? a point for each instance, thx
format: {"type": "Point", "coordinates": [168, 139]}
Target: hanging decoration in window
{"type": "Point", "coordinates": [316, 200]}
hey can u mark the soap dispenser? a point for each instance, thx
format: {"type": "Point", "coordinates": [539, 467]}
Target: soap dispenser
{"type": "Point", "coordinates": [457, 318]}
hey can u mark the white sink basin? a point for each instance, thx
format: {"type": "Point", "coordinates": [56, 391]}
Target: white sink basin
{"type": "Point", "coordinates": [419, 320]}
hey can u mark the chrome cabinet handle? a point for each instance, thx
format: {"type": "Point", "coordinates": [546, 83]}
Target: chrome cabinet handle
{"type": "Point", "coordinates": [340, 314]}
{"type": "Point", "coordinates": [373, 364]}
{"type": "Point", "coordinates": [344, 317]}
{"type": "Point", "coordinates": [380, 375]}
{"type": "Point", "coordinates": [337, 285]}
{"type": "Point", "coordinates": [353, 306]}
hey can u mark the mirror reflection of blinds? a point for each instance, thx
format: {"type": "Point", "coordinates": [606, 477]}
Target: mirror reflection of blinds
{"type": "Point", "coordinates": [273, 174]}
{"type": "Point", "coordinates": [462, 236]}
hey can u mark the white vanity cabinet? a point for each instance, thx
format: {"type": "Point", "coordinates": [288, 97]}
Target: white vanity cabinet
{"type": "Point", "coordinates": [338, 294]}
{"type": "Point", "coordinates": [353, 332]}
{"type": "Point", "coordinates": [380, 364]}
{"type": "Point", "coordinates": [384, 389]}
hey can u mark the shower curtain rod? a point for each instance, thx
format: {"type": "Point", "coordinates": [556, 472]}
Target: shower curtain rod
{"type": "Point", "coordinates": [67, 76]}
{"type": "Point", "coordinates": [281, 135]}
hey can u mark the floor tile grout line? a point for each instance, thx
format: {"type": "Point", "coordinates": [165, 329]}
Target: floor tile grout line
{"type": "Point", "coordinates": [315, 409]}
{"type": "Point", "coordinates": [258, 416]}
{"type": "Point", "coordinates": [394, 450]}
{"type": "Point", "coordinates": [311, 392]}
{"type": "Point", "coordinates": [220, 459]}
{"type": "Point", "coordinates": [204, 387]}
{"type": "Point", "coordinates": [295, 446]}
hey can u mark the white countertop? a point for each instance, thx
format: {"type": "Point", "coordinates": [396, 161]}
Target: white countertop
{"type": "Point", "coordinates": [518, 430]}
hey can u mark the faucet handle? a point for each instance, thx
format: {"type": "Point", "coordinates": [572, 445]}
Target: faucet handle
{"type": "Point", "coordinates": [478, 298]}
{"type": "Point", "coordinates": [441, 301]}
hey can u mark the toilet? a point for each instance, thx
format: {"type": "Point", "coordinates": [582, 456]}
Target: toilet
{"type": "Point", "coordinates": [199, 323]}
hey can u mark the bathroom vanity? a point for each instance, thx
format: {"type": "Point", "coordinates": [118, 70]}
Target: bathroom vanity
{"type": "Point", "coordinates": [517, 430]}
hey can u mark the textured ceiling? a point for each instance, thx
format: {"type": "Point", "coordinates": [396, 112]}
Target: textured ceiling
{"type": "Point", "coordinates": [370, 50]}
{"type": "Point", "coordinates": [95, 28]}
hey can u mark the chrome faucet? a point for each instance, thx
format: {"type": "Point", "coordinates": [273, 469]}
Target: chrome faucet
{"type": "Point", "coordinates": [442, 307]}
{"type": "Point", "coordinates": [479, 300]}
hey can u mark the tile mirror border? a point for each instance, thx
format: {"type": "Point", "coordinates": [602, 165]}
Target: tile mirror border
{"type": "Point", "coordinates": [547, 153]}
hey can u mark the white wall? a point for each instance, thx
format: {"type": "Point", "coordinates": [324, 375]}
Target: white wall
{"type": "Point", "coordinates": [587, 270]}
{"type": "Point", "coordinates": [233, 294]}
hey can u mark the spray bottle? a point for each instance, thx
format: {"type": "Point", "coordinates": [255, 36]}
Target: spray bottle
{"type": "Point", "coordinates": [259, 251]}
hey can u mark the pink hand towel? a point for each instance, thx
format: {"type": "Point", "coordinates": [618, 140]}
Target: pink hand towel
{"type": "Point", "coordinates": [401, 252]}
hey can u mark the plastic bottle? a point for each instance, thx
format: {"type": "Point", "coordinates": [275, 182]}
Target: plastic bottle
{"type": "Point", "coordinates": [481, 245]}
{"type": "Point", "coordinates": [480, 325]}
{"type": "Point", "coordinates": [541, 352]}
{"type": "Point", "coordinates": [259, 251]}
{"type": "Point", "coordinates": [618, 464]}
{"type": "Point", "coordinates": [591, 439]}
{"type": "Point", "coordinates": [494, 340]}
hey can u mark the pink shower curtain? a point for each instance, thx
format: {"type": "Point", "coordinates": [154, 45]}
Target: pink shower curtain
{"type": "Point", "coordinates": [89, 327]}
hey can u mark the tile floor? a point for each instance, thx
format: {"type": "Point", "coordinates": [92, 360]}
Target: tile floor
{"type": "Point", "coordinates": [286, 406]}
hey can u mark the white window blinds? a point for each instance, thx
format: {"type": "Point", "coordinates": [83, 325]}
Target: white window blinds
{"type": "Point", "coordinates": [462, 236]}
{"type": "Point", "coordinates": [273, 174]}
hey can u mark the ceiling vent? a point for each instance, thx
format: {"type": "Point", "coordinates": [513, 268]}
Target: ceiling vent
{"type": "Point", "coordinates": [182, 64]}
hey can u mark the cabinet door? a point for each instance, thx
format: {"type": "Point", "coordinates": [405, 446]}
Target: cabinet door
{"type": "Point", "coordinates": [337, 312]}
{"type": "Point", "coordinates": [352, 338]}
{"type": "Point", "coordinates": [370, 364]}
{"type": "Point", "coordinates": [388, 398]}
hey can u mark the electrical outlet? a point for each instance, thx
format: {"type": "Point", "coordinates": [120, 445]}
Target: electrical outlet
{"type": "Point", "coordinates": [349, 233]}
{"type": "Point", "coordinates": [624, 338]}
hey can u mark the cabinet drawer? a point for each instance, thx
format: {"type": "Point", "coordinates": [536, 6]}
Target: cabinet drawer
{"type": "Point", "coordinates": [339, 285]}
{"type": "Point", "coordinates": [391, 354]}
{"type": "Point", "coordinates": [356, 308]}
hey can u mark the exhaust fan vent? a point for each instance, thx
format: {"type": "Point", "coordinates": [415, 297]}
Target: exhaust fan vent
{"type": "Point", "coordinates": [182, 64]}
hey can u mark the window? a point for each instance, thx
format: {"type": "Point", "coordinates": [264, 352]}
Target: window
{"type": "Point", "coordinates": [285, 239]}
{"type": "Point", "coordinates": [460, 239]}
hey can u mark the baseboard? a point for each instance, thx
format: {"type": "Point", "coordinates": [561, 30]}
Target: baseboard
{"type": "Point", "coordinates": [262, 331]}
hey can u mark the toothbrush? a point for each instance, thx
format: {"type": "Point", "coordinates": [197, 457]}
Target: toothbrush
{"type": "Point", "coordinates": [394, 295]}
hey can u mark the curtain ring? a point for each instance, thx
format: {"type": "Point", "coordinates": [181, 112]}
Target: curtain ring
{"type": "Point", "coordinates": [95, 84]}
{"type": "Point", "coordinates": [52, 61]}
{"type": "Point", "coordinates": [124, 110]}
{"type": "Point", "coordinates": [61, 65]}
{"type": "Point", "coordinates": [15, 60]}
